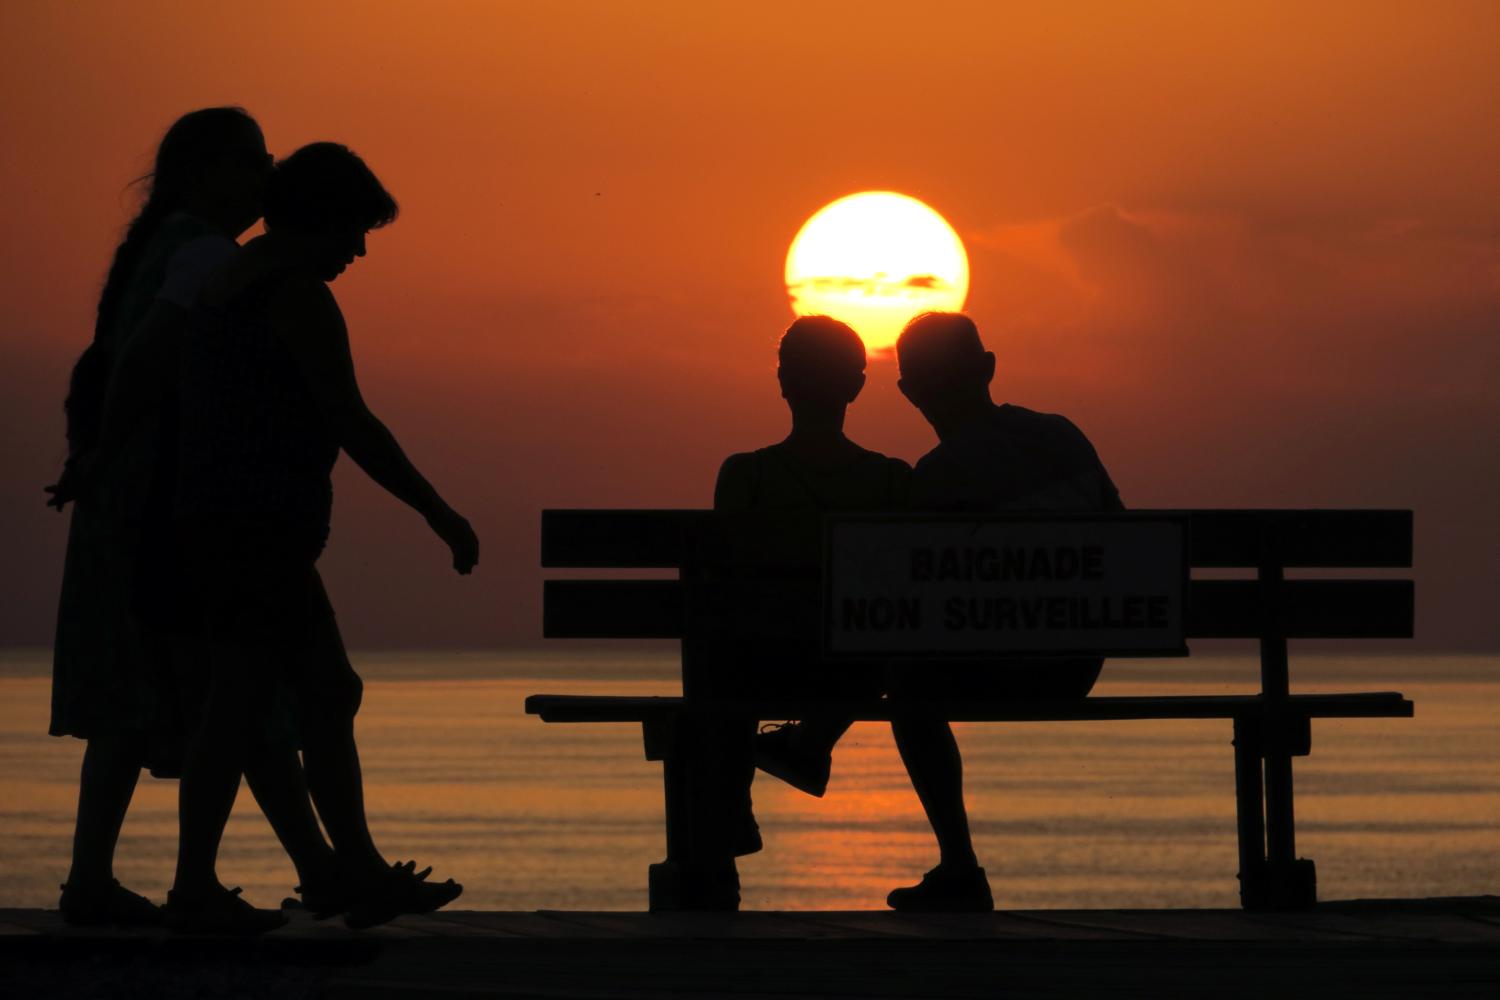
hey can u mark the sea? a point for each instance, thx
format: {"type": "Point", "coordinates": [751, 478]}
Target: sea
{"type": "Point", "coordinates": [533, 816]}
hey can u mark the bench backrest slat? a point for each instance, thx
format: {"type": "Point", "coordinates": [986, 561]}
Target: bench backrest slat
{"type": "Point", "coordinates": [655, 539]}
{"type": "Point", "coordinates": [1366, 539]}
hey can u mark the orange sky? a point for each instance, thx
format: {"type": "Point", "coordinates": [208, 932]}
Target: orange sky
{"type": "Point", "coordinates": [1253, 250]}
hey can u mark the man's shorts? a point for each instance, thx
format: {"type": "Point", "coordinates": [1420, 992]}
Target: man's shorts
{"type": "Point", "coordinates": [250, 582]}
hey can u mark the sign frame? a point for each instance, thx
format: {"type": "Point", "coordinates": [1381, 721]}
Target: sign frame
{"type": "Point", "coordinates": [1180, 521]}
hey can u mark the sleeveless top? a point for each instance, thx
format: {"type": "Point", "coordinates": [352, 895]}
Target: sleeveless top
{"type": "Point", "coordinates": [254, 443]}
{"type": "Point", "coordinates": [774, 480]}
{"type": "Point", "coordinates": [869, 482]}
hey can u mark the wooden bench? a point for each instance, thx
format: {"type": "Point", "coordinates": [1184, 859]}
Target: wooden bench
{"type": "Point", "coordinates": [741, 575]}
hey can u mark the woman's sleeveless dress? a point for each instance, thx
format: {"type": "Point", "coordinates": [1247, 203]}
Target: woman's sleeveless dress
{"type": "Point", "coordinates": [110, 672]}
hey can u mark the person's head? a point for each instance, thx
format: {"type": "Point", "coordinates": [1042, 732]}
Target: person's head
{"type": "Point", "coordinates": [945, 370]}
{"type": "Point", "coordinates": [325, 199]}
{"type": "Point", "coordinates": [821, 365]}
{"type": "Point", "coordinates": [212, 163]}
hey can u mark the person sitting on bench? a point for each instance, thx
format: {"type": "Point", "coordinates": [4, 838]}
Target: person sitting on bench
{"type": "Point", "coordinates": [989, 458]}
{"type": "Point", "coordinates": [816, 468]}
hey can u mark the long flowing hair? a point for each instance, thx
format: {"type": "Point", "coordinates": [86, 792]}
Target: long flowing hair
{"type": "Point", "coordinates": [194, 143]}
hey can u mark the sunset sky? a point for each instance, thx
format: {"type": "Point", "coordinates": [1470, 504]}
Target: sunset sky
{"type": "Point", "coordinates": [1253, 250]}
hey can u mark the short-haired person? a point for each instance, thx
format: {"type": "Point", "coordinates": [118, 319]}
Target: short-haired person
{"type": "Point", "coordinates": [989, 458]}
{"type": "Point", "coordinates": [268, 400]}
{"type": "Point", "coordinates": [821, 370]}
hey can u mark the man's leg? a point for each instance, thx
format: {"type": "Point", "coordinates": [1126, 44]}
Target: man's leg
{"type": "Point", "coordinates": [330, 693]}
{"type": "Point", "coordinates": [801, 753]}
{"type": "Point", "coordinates": [276, 779]}
{"type": "Point", "coordinates": [215, 761]}
{"type": "Point", "coordinates": [273, 772]}
{"type": "Point", "coordinates": [936, 768]}
{"type": "Point", "coordinates": [210, 782]}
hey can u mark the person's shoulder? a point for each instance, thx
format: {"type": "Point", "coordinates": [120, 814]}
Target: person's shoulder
{"type": "Point", "coordinates": [300, 292]}
{"type": "Point", "coordinates": [190, 266]}
{"type": "Point", "coordinates": [734, 489]}
{"type": "Point", "coordinates": [739, 461]}
{"type": "Point", "coordinates": [178, 229]}
{"type": "Point", "coordinates": [211, 245]}
{"type": "Point", "coordinates": [1053, 425]}
{"type": "Point", "coordinates": [876, 458]}
{"type": "Point", "coordinates": [938, 465]}
{"type": "Point", "coordinates": [1014, 413]}
{"type": "Point", "coordinates": [937, 456]}
{"type": "Point", "coordinates": [898, 466]}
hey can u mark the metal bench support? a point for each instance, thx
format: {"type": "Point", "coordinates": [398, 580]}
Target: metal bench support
{"type": "Point", "coordinates": [1271, 874]}
{"type": "Point", "coordinates": [664, 880]}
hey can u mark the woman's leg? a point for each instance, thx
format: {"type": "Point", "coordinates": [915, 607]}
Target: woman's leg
{"type": "Point", "coordinates": [106, 784]}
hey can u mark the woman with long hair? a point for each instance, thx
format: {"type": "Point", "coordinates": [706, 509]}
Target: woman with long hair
{"type": "Point", "coordinates": [269, 399]}
{"type": "Point", "coordinates": [111, 674]}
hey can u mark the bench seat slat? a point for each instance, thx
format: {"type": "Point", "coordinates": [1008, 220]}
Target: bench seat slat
{"type": "Point", "coordinates": [1362, 705]}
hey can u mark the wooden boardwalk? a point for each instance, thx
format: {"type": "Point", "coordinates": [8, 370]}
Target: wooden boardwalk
{"type": "Point", "coordinates": [1375, 948]}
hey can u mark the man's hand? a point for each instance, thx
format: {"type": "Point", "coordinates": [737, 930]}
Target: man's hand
{"type": "Point", "coordinates": [455, 531]}
{"type": "Point", "coordinates": [76, 478]}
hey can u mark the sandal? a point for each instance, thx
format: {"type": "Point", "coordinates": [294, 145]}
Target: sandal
{"type": "Point", "coordinates": [106, 903]}
{"type": "Point", "coordinates": [334, 895]}
{"type": "Point", "coordinates": [220, 912]}
{"type": "Point", "coordinates": [397, 891]}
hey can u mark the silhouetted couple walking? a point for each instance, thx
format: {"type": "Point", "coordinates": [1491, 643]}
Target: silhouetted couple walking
{"type": "Point", "coordinates": [989, 458]}
{"type": "Point", "coordinates": [194, 635]}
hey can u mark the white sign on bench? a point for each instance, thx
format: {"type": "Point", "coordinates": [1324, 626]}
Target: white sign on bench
{"type": "Point", "coordinates": [964, 587]}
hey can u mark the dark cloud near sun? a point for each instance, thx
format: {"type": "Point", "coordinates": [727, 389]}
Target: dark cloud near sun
{"type": "Point", "coordinates": [1254, 360]}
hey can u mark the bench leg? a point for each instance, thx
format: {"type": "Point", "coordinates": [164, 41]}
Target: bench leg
{"type": "Point", "coordinates": [1271, 874]}
{"type": "Point", "coordinates": [1292, 881]}
{"type": "Point", "coordinates": [664, 888]}
{"type": "Point", "coordinates": [1249, 816]}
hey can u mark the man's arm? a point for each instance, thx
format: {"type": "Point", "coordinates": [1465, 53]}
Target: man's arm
{"type": "Point", "coordinates": [307, 318]}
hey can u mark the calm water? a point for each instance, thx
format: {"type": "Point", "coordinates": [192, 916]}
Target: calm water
{"type": "Point", "coordinates": [1131, 814]}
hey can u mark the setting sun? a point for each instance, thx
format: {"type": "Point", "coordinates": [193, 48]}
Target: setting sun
{"type": "Point", "coordinates": [875, 260]}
